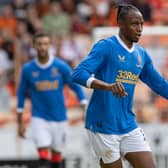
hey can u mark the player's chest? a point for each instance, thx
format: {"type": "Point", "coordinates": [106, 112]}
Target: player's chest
{"type": "Point", "coordinates": [127, 62]}
{"type": "Point", "coordinates": [49, 78]}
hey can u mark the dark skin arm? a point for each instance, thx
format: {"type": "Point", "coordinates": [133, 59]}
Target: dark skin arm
{"type": "Point", "coordinates": [20, 124]}
{"type": "Point", "coordinates": [116, 88]}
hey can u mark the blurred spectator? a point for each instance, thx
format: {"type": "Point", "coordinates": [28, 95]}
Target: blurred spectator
{"type": "Point", "coordinates": [8, 46]}
{"type": "Point", "coordinates": [5, 66]}
{"type": "Point", "coordinates": [2, 2]}
{"type": "Point", "coordinates": [102, 7]}
{"type": "Point", "coordinates": [145, 113]}
{"type": "Point", "coordinates": [19, 7]}
{"type": "Point", "coordinates": [158, 4]}
{"type": "Point", "coordinates": [69, 6]}
{"type": "Point", "coordinates": [26, 52]}
{"type": "Point", "coordinates": [8, 21]}
{"type": "Point", "coordinates": [84, 9]}
{"type": "Point", "coordinates": [5, 63]}
{"type": "Point", "coordinates": [57, 21]}
{"type": "Point", "coordinates": [96, 19]}
{"type": "Point", "coordinates": [24, 39]}
{"type": "Point", "coordinates": [21, 28]}
{"type": "Point", "coordinates": [34, 23]}
{"type": "Point", "coordinates": [162, 106]}
{"type": "Point", "coordinates": [112, 15]}
{"type": "Point", "coordinates": [68, 48]}
{"type": "Point", "coordinates": [79, 26]}
{"type": "Point", "coordinates": [43, 7]}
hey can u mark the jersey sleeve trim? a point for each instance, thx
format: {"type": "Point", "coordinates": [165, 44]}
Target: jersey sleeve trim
{"type": "Point", "coordinates": [83, 102]}
{"type": "Point", "coordinates": [19, 110]}
{"type": "Point", "coordinates": [89, 81]}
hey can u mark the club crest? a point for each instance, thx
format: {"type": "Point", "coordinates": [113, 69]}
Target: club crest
{"type": "Point", "coordinates": [54, 71]}
{"type": "Point", "coordinates": [139, 59]}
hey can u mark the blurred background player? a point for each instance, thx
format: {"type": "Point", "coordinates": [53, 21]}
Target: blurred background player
{"type": "Point", "coordinates": [43, 78]}
{"type": "Point", "coordinates": [118, 63]}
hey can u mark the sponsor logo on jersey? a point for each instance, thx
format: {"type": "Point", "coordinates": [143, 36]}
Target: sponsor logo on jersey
{"type": "Point", "coordinates": [127, 77]}
{"type": "Point", "coordinates": [46, 85]}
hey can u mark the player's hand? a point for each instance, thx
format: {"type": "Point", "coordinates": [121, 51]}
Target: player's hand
{"type": "Point", "coordinates": [117, 89]}
{"type": "Point", "coordinates": [21, 130]}
{"type": "Point", "coordinates": [83, 107]}
{"type": "Point", "coordinates": [20, 125]}
{"type": "Point", "coordinates": [80, 118]}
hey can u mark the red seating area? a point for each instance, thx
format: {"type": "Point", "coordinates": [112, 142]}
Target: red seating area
{"type": "Point", "coordinates": [160, 12]}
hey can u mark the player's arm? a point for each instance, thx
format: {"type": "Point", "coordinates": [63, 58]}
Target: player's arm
{"type": "Point", "coordinates": [21, 95]}
{"type": "Point", "coordinates": [67, 70]}
{"type": "Point", "coordinates": [116, 88]}
{"type": "Point", "coordinates": [78, 90]}
{"type": "Point", "coordinates": [97, 58]}
{"type": "Point", "coordinates": [154, 80]}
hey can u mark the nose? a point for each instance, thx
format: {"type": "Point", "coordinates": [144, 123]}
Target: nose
{"type": "Point", "coordinates": [43, 46]}
{"type": "Point", "coordinates": [139, 28]}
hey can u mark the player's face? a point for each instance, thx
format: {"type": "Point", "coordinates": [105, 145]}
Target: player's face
{"type": "Point", "coordinates": [42, 45]}
{"type": "Point", "coordinates": [132, 26]}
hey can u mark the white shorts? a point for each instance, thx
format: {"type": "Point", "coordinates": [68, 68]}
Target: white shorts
{"type": "Point", "coordinates": [49, 134]}
{"type": "Point", "coordinates": [112, 147]}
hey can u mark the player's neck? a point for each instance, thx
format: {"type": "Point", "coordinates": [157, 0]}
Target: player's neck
{"type": "Point", "coordinates": [126, 42]}
{"type": "Point", "coordinates": [43, 60]}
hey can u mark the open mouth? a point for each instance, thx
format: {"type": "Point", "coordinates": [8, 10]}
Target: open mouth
{"type": "Point", "coordinates": [138, 34]}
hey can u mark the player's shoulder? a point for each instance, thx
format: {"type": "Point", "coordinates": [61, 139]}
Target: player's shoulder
{"type": "Point", "coordinates": [105, 43]}
{"type": "Point", "coordinates": [106, 40]}
{"type": "Point", "coordinates": [28, 65]}
{"type": "Point", "coordinates": [61, 64]}
{"type": "Point", "coordinates": [59, 61]}
{"type": "Point", "coordinates": [111, 41]}
{"type": "Point", "coordinates": [142, 52]}
{"type": "Point", "coordinates": [140, 48]}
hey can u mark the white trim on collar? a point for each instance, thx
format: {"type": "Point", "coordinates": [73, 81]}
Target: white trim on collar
{"type": "Point", "coordinates": [46, 65]}
{"type": "Point", "coordinates": [124, 45]}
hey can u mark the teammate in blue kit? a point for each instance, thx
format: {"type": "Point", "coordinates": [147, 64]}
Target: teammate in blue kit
{"type": "Point", "coordinates": [44, 78]}
{"type": "Point", "coordinates": [112, 69]}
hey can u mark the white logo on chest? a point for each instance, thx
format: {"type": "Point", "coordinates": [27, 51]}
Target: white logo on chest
{"type": "Point", "coordinates": [121, 58]}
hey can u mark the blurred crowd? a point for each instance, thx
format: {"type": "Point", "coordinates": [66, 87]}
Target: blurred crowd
{"type": "Point", "coordinates": [70, 22]}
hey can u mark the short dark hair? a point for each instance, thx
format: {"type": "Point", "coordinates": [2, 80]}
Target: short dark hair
{"type": "Point", "coordinates": [124, 9]}
{"type": "Point", "coordinates": [40, 34]}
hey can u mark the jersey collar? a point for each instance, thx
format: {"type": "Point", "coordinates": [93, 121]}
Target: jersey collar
{"type": "Point", "coordinates": [46, 65]}
{"type": "Point", "coordinates": [123, 44]}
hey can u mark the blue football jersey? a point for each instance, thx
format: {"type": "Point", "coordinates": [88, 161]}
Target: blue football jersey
{"type": "Point", "coordinates": [111, 61]}
{"type": "Point", "coordinates": [45, 86]}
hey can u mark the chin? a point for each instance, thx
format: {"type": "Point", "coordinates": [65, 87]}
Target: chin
{"type": "Point", "coordinates": [135, 40]}
{"type": "Point", "coordinates": [43, 54]}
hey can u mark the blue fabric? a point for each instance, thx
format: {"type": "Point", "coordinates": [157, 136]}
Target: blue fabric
{"type": "Point", "coordinates": [46, 89]}
{"type": "Point", "coordinates": [109, 61]}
